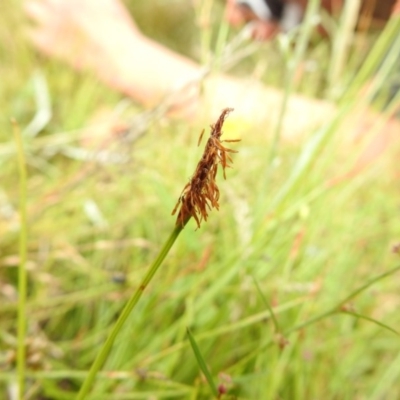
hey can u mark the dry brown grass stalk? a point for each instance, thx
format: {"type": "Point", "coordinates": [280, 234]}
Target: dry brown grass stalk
{"type": "Point", "coordinates": [201, 194]}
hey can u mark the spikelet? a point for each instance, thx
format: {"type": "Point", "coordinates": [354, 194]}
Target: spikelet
{"type": "Point", "coordinates": [201, 194]}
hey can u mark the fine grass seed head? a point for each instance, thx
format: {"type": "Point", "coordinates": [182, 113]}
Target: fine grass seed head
{"type": "Point", "coordinates": [201, 194]}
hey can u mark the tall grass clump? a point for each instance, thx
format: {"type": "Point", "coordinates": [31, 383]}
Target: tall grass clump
{"type": "Point", "coordinates": [290, 292]}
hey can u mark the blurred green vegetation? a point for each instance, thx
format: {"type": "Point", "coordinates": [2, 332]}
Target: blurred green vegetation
{"type": "Point", "coordinates": [285, 237]}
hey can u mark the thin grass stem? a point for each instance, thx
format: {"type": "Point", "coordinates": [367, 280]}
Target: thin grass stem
{"type": "Point", "coordinates": [270, 309]}
{"type": "Point", "coordinates": [107, 346]}
{"type": "Point", "coordinates": [202, 363]}
{"type": "Point", "coordinates": [301, 47]}
{"type": "Point", "coordinates": [388, 36]}
{"type": "Point", "coordinates": [373, 320]}
{"type": "Point", "coordinates": [221, 44]}
{"type": "Point", "coordinates": [342, 42]}
{"type": "Point", "coordinates": [331, 311]}
{"type": "Point", "coordinates": [22, 274]}
{"type": "Point", "coordinates": [338, 307]}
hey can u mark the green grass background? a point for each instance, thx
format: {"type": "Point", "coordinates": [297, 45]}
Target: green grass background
{"type": "Point", "coordinates": [284, 239]}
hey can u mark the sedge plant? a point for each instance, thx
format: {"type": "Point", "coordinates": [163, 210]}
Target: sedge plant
{"type": "Point", "coordinates": [199, 196]}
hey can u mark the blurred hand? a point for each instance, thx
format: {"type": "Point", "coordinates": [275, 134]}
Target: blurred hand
{"type": "Point", "coordinates": [238, 15]}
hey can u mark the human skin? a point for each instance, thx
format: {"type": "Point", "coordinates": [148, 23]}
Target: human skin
{"type": "Point", "coordinates": [100, 36]}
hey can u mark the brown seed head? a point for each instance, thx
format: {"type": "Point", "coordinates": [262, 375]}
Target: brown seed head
{"type": "Point", "coordinates": [201, 194]}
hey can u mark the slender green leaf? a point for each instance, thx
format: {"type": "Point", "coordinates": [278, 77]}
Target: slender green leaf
{"type": "Point", "coordinates": [202, 364]}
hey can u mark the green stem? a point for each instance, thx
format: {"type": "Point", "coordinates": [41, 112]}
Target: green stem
{"type": "Point", "coordinates": [301, 47]}
{"type": "Point", "coordinates": [105, 350]}
{"type": "Point", "coordinates": [338, 307]}
{"type": "Point", "coordinates": [22, 275]}
{"type": "Point", "coordinates": [332, 311]}
{"type": "Point", "coordinates": [389, 36]}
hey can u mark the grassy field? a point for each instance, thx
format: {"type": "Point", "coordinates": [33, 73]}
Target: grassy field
{"type": "Point", "coordinates": [290, 290]}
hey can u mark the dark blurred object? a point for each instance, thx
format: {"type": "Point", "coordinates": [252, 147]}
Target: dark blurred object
{"type": "Point", "coordinates": [375, 13]}
{"type": "Point", "coordinates": [287, 14]}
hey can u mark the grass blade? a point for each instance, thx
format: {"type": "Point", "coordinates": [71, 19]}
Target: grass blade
{"type": "Point", "coordinates": [202, 364]}
{"type": "Point", "coordinates": [269, 307]}
{"type": "Point", "coordinates": [381, 324]}
{"type": "Point", "coordinates": [22, 274]}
